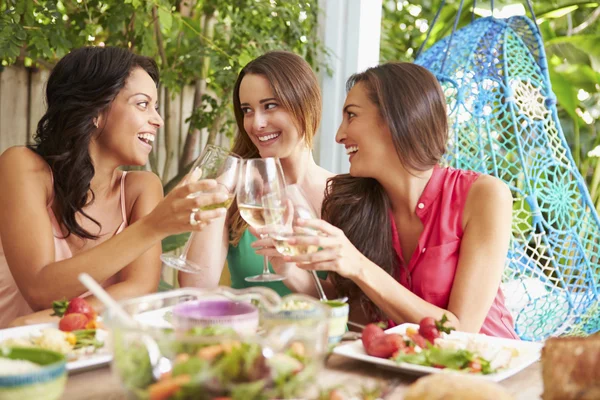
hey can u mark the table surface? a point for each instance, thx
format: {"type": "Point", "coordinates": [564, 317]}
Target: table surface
{"type": "Point", "coordinates": [351, 375]}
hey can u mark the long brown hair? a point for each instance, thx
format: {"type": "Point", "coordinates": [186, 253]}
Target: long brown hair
{"type": "Point", "coordinates": [412, 104]}
{"type": "Point", "coordinates": [296, 88]}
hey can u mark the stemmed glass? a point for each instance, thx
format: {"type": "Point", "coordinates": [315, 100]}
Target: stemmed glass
{"type": "Point", "coordinates": [214, 163]}
{"type": "Point", "coordinates": [260, 196]}
{"type": "Point", "coordinates": [283, 227]}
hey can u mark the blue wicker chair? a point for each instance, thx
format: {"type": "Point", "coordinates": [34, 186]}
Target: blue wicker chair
{"type": "Point", "coordinates": [503, 122]}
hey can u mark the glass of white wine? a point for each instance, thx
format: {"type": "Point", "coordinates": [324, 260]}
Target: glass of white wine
{"type": "Point", "coordinates": [214, 163]}
{"type": "Point", "coordinates": [283, 227]}
{"type": "Point", "coordinates": [260, 195]}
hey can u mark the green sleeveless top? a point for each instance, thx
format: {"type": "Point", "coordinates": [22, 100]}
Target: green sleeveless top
{"type": "Point", "coordinates": [243, 261]}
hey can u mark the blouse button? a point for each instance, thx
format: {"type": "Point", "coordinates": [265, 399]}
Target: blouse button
{"type": "Point", "coordinates": [423, 251]}
{"type": "Point", "coordinates": [421, 206]}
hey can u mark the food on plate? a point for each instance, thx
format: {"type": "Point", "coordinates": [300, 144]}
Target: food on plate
{"type": "Point", "coordinates": [430, 329]}
{"type": "Point", "coordinates": [76, 314]}
{"type": "Point", "coordinates": [571, 368]}
{"type": "Point", "coordinates": [455, 387]}
{"type": "Point", "coordinates": [386, 345]}
{"type": "Point", "coordinates": [432, 345]}
{"type": "Point", "coordinates": [224, 366]}
{"type": "Point", "coordinates": [369, 333]}
{"type": "Point", "coordinates": [72, 344]}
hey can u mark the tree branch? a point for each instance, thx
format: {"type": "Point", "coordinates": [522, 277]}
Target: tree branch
{"type": "Point", "coordinates": [589, 21]}
{"type": "Point", "coordinates": [193, 136]}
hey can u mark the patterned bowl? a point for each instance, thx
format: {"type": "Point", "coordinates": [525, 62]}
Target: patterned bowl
{"type": "Point", "coordinates": [46, 383]}
{"type": "Point", "coordinates": [240, 316]}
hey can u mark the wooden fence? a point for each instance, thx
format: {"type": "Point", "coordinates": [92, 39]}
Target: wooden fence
{"type": "Point", "coordinates": [22, 105]}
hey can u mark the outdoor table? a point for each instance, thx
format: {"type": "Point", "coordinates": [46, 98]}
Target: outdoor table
{"type": "Point", "coordinates": [350, 375]}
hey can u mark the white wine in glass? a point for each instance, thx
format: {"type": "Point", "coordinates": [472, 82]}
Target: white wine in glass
{"type": "Point", "coordinates": [223, 166]}
{"type": "Point", "coordinates": [261, 190]}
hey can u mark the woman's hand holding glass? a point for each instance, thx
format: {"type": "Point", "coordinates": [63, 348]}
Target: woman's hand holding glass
{"type": "Point", "coordinates": [335, 251]}
{"type": "Point", "coordinates": [219, 170]}
{"type": "Point", "coordinates": [172, 215]}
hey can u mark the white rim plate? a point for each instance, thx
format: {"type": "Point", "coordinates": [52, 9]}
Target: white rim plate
{"type": "Point", "coordinates": [82, 363]}
{"type": "Point", "coordinates": [529, 352]}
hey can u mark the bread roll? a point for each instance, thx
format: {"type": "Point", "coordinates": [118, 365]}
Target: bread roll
{"type": "Point", "coordinates": [571, 368]}
{"type": "Point", "coordinates": [455, 387]}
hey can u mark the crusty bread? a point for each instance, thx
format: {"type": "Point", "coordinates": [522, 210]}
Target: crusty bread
{"type": "Point", "coordinates": [455, 387]}
{"type": "Point", "coordinates": [571, 368]}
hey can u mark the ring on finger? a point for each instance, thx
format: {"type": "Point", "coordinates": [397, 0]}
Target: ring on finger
{"type": "Point", "coordinates": [193, 221]}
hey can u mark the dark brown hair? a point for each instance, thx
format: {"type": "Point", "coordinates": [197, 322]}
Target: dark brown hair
{"type": "Point", "coordinates": [296, 87]}
{"type": "Point", "coordinates": [411, 103]}
{"type": "Point", "coordinates": [82, 85]}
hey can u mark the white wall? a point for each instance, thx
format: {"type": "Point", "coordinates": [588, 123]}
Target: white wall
{"type": "Point", "coordinates": [351, 30]}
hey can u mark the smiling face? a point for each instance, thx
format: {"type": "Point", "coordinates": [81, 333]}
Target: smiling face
{"type": "Point", "coordinates": [128, 128]}
{"type": "Point", "coordinates": [365, 136]}
{"type": "Point", "coordinates": [270, 127]}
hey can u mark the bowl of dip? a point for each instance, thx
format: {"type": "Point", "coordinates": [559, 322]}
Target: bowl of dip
{"type": "Point", "coordinates": [31, 373]}
{"type": "Point", "coordinates": [237, 315]}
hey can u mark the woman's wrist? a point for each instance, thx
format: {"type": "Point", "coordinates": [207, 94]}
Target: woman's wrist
{"type": "Point", "coordinates": [150, 230]}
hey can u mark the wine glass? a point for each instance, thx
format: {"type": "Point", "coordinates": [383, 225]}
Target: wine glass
{"type": "Point", "coordinates": [214, 163]}
{"type": "Point", "coordinates": [260, 195]}
{"type": "Point", "coordinates": [283, 227]}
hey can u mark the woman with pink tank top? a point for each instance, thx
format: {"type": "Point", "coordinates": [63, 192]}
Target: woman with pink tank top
{"type": "Point", "coordinates": [405, 238]}
{"type": "Point", "coordinates": [67, 208]}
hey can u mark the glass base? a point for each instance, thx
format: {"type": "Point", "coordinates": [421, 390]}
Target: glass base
{"type": "Point", "coordinates": [265, 278]}
{"type": "Point", "coordinates": [181, 264]}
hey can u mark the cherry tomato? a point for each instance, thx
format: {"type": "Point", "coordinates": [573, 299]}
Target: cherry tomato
{"type": "Point", "coordinates": [475, 366]}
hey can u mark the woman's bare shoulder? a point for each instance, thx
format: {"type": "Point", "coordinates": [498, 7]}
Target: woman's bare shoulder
{"type": "Point", "coordinates": [23, 163]}
{"type": "Point", "coordinates": [487, 195]}
{"type": "Point", "coordinates": [139, 183]}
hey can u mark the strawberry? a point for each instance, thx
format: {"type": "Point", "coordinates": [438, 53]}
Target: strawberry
{"type": "Point", "coordinates": [73, 322]}
{"type": "Point", "coordinates": [384, 346]}
{"type": "Point", "coordinates": [75, 305]}
{"type": "Point", "coordinates": [431, 329]}
{"type": "Point", "coordinates": [80, 306]}
{"type": "Point", "coordinates": [370, 332]}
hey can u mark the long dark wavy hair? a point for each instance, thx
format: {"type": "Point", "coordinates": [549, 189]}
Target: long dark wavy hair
{"type": "Point", "coordinates": [81, 86]}
{"type": "Point", "coordinates": [296, 87]}
{"type": "Point", "coordinates": [411, 103]}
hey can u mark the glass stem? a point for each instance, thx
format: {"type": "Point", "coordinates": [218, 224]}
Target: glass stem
{"type": "Point", "coordinates": [265, 261]}
{"type": "Point", "coordinates": [183, 255]}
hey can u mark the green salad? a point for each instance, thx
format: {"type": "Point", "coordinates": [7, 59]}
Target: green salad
{"type": "Point", "coordinates": [224, 368]}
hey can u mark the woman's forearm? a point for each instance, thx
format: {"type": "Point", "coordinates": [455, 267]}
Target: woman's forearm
{"type": "Point", "coordinates": [100, 262]}
{"type": "Point", "coordinates": [397, 302]}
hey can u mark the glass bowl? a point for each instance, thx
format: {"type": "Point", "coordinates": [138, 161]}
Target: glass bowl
{"type": "Point", "coordinates": [209, 361]}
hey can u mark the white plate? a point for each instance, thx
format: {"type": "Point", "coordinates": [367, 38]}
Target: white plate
{"type": "Point", "coordinates": [82, 363]}
{"type": "Point", "coordinates": [528, 353]}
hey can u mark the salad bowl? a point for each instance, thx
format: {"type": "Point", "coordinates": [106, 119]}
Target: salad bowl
{"type": "Point", "coordinates": [218, 360]}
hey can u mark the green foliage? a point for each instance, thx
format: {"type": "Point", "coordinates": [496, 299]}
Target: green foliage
{"type": "Point", "coordinates": [195, 42]}
{"type": "Point", "coordinates": [571, 33]}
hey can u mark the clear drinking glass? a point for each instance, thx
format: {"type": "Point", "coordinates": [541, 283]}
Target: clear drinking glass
{"type": "Point", "coordinates": [283, 227]}
{"type": "Point", "coordinates": [214, 163]}
{"type": "Point", "coordinates": [260, 195]}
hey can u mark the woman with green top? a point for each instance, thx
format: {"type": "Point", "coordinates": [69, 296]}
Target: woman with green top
{"type": "Point", "coordinates": [277, 105]}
